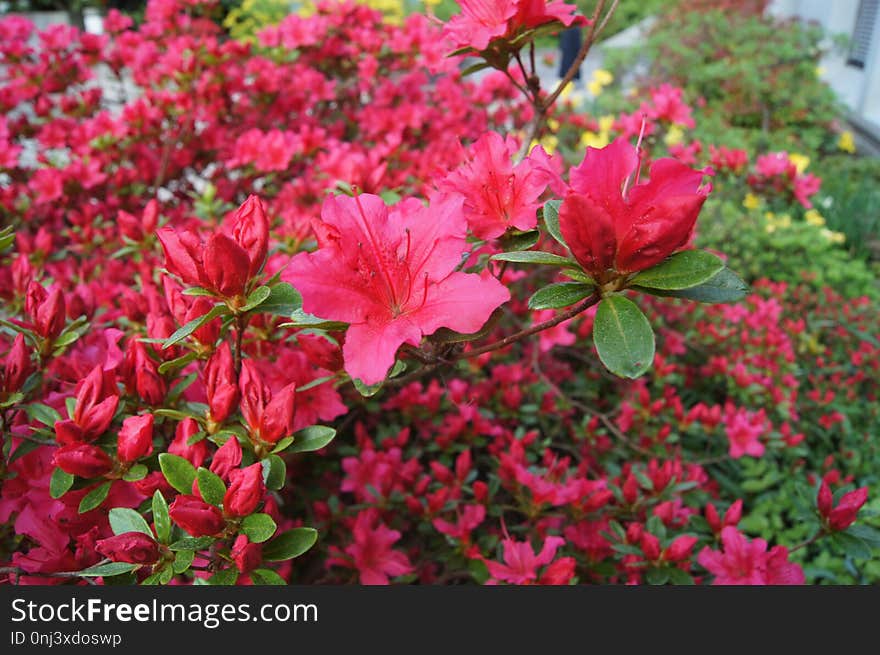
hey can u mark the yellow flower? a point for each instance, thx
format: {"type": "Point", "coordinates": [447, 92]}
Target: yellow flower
{"type": "Point", "coordinates": [846, 142]}
{"type": "Point", "coordinates": [674, 136]}
{"type": "Point", "coordinates": [820, 71]}
{"type": "Point", "coordinates": [553, 124]}
{"type": "Point", "coordinates": [606, 123]}
{"type": "Point", "coordinates": [833, 237]}
{"type": "Point", "coordinates": [549, 143]}
{"type": "Point", "coordinates": [800, 162]}
{"type": "Point", "coordinates": [751, 201]}
{"type": "Point", "coordinates": [566, 91]}
{"type": "Point", "coordinates": [814, 218]}
{"type": "Point", "coordinates": [593, 140]}
{"type": "Point", "coordinates": [600, 79]}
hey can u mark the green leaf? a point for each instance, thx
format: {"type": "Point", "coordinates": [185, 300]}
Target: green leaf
{"type": "Point", "coordinates": [300, 319]}
{"type": "Point", "coordinates": [623, 337]}
{"type": "Point", "coordinates": [135, 473]}
{"type": "Point", "coordinates": [473, 68]}
{"type": "Point", "coordinates": [559, 295]}
{"type": "Point", "coordinates": [516, 241]}
{"type": "Point", "coordinates": [183, 332]}
{"type": "Point", "coordinates": [177, 415]}
{"type": "Point", "coordinates": [866, 533]}
{"type": "Point", "coordinates": [315, 383]}
{"type": "Point", "coordinates": [681, 271]}
{"type": "Point", "coordinates": [94, 498]}
{"type": "Point", "coordinates": [657, 576]}
{"type": "Point", "coordinates": [176, 363]}
{"type": "Point", "coordinates": [282, 300]}
{"type": "Point", "coordinates": [182, 560]}
{"type": "Point", "coordinates": [198, 291]}
{"type": "Point", "coordinates": [178, 471]}
{"type": "Point", "coordinates": [290, 544]}
{"type": "Point", "coordinates": [256, 298]}
{"type": "Point", "coordinates": [258, 527]}
{"type": "Point", "coordinates": [43, 413]}
{"type": "Point", "coordinates": [852, 545]}
{"type": "Point", "coordinates": [192, 543]}
{"type": "Point", "coordinates": [283, 444]}
{"type": "Point", "coordinates": [226, 577]}
{"type": "Point", "coordinates": [551, 220]}
{"type": "Point", "coordinates": [266, 577]}
{"type": "Point", "coordinates": [161, 518]}
{"type": "Point", "coordinates": [70, 405]}
{"type": "Point", "coordinates": [725, 287]}
{"type": "Point", "coordinates": [274, 472]}
{"type": "Point", "coordinates": [60, 483]}
{"type": "Point", "coordinates": [210, 486]}
{"type": "Point", "coordinates": [124, 519]}
{"type": "Point", "coordinates": [107, 570]}
{"type": "Point", "coordinates": [679, 577]}
{"type": "Point", "coordinates": [65, 339]}
{"type": "Point", "coordinates": [534, 257]}
{"type": "Point", "coordinates": [312, 438]}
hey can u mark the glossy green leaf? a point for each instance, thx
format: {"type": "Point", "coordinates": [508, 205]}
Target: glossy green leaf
{"type": "Point", "coordinates": [551, 220]}
{"type": "Point", "coordinates": [258, 527]}
{"type": "Point", "coordinates": [682, 270]}
{"type": "Point", "coordinates": [623, 337]}
{"type": "Point", "coordinates": [312, 438]}
{"type": "Point", "coordinates": [124, 519]}
{"type": "Point", "coordinates": [559, 295]}
{"type": "Point", "coordinates": [94, 498]}
{"type": "Point", "coordinates": [210, 486]}
{"type": "Point", "coordinates": [534, 257]}
{"type": "Point", "coordinates": [178, 471]}
{"type": "Point", "coordinates": [290, 544]}
{"type": "Point", "coordinates": [60, 483]}
{"type": "Point", "coordinates": [183, 332]}
{"type": "Point", "coordinates": [725, 287]}
{"type": "Point", "coordinates": [161, 518]}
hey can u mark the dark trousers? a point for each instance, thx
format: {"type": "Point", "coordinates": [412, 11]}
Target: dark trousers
{"type": "Point", "coordinates": [570, 43]}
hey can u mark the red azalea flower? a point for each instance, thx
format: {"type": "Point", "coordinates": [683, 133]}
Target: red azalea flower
{"type": "Point", "coordinates": [615, 225]}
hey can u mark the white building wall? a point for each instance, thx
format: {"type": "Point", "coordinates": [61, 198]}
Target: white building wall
{"type": "Point", "coordinates": [858, 88]}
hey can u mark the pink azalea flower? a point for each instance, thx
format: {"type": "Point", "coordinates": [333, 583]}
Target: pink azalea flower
{"type": "Point", "coordinates": [482, 21]}
{"type": "Point", "coordinates": [497, 194]}
{"type": "Point", "coordinates": [391, 276]}
{"type": "Point", "coordinates": [372, 553]}
{"type": "Point", "coordinates": [744, 562]}
{"type": "Point", "coordinates": [520, 562]}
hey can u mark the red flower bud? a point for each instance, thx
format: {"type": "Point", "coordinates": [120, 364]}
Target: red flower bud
{"type": "Point", "coordinates": [46, 310]}
{"type": "Point", "coordinates": [83, 460]}
{"type": "Point", "coordinates": [131, 547]}
{"type": "Point", "coordinates": [220, 383]}
{"type": "Point", "coordinates": [227, 266]}
{"type": "Point", "coordinates": [247, 556]}
{"type": "Point", "coordinates": [713, 519]}
{"type": "Point", "coordinates": [197, 517]}
{"type": "Point", "coordinates": [733, 514]}
{"type": "Point", "coordinates": [129, 226]}
{"type": "Point", "coordinates": [195, 453]}
{"type": "Point", "coordinates": [207, 333]}
{"type": "Point", "coordinates": [650, 546]}
{"type": "Point", "coordinates": [824, 500]}
{"type": "Point", "coordinates": [135, 438]}
{"type": "Point", "coordinates": [634, 533]}
{"type": "Point", "coordinates": [269, 418]}
{"type": "Point", "coordinates": [17, 366]}
{"type": "Point", "coordinates": [153, 481]}
{"type": "Point", "coordinates": [183, 255]}
{"type": "Point", "coordinates": [227, 457]}
{"type": "Point", "coordinates": [150, 217]}
{"type": "Point", "coordinates": [96, 402]}
{"type": "Point", "coordinates": [141, 374]}
{"type": "Point", "coordinates": [246, 489]}
{"type": "Point", "coordinates": [278, 415]}
{"type": "Point", "coordinates": [844, 515]}
{"type": "Point", "coordinates": [680, 549]}
{"type": "Point", "coordinates": [250, 229]}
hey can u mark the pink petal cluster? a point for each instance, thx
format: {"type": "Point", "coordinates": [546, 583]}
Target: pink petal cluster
{"type": "Point", "coordinates": [391, 275]}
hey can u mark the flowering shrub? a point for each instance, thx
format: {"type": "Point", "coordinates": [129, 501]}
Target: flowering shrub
{"type": "Point", "coordinates": [343, 330]}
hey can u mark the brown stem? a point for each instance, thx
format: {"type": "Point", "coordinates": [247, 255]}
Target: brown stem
{"type": "Point", "coordinates": [240, 324]}
{"type": "Point", "coordinates": [543, 106]}
{"type": "Point", "coordinates": [809, 541]}
{"type": "Point", "coordinates": [539, 327]}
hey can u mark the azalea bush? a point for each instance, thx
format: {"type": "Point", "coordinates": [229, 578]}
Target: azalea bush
{"type": "Point", "coordinates": [389, 323]}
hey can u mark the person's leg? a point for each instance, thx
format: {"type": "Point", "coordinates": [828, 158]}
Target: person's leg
{"type": "Point", "coordinates": [570, 43]}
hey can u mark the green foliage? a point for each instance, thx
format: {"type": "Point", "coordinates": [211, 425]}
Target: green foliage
{"type": "Point", "coordinates": [850, 201]}
{"type": "Point", "coordinates": [798, 252]}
